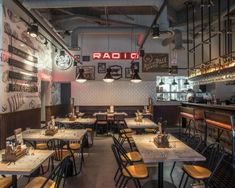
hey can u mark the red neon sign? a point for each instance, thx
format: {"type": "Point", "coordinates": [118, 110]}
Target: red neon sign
{"type": "Point", "coordinates": [115, 56]}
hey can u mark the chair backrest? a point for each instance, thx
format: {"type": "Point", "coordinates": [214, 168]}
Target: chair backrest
{"type": "Point", "coordinates": [101, 117]}
{"type": "Point", "coordinates": [56, 145]}
{"type": "Point", "coordinates": [121, 164]}
{"type": "Point", "coordinates": [119, 117]}
{"type": "Point", "coordinates": [59, 172]}
{"type": "Point", "coordinates": [214, 154]}
{"type": "Point", "coordinates": [121, 148]}
{"type": "Point", "coordinates": [76, 126]}
{"type": "Point", "coordinates": [196, 142]}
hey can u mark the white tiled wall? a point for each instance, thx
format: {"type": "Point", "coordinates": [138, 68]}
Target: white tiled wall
{"type": "Point", "coordinates": [116, 93]}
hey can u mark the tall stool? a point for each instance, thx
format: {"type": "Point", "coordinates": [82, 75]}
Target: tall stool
{"type": "Point", "coordinates": [191, 115]}
{"type": "Point", "coordinates": [223, 123]}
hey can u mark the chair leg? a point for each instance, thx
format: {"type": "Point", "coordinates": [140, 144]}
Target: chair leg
{"type": "Point", "coordinates": [181, 180]}
{"type": "Point", "coordinates": [122, 181]}
{"type": "Point", "coordinates": [120, 178]}
{"type": "Point", "coordinates": [172, 169]}
{"type": "Point", "coordinates": [138, 182]}
{"type": "Point", "coordinates": [125, 183]}
{"type": "Point", "coordinates": [186, 181]}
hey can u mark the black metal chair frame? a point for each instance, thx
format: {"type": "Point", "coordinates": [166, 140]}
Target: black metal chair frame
{"type": "Point", "coordinates": [216, 154]}
{"type": "Point", "coordinates": [100, 118]}
{"type": "Point", "coordinates": [123, 165]}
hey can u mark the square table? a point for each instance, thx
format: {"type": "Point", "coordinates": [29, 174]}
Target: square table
{"type": "Point", "coordinates": [82, 121]}
{"type": "Point", "coordinates": [26, 165]}
{"type": "Point", "coordinates": [145, 123]}
{"type": "Point", "coordinates": [152, 155]}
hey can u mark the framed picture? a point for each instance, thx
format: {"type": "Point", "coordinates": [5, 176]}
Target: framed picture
{"type": "Point", "coordinates": [89, 72]}
{"type": "Point", "coordinates": [128, 72]}
{"type": "Point", "coordinates": [101, 68]}
{"type": "Point", "coordinates": [116, 71]}
{"type": "Point", "coordinates": [135, 66]}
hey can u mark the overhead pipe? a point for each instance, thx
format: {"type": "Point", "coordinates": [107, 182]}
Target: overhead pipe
{"type": "Point", "coordinates": [187, 15]}
{"type": "Point", "coordinates": [219, 30]}
{"type": "Point", "coordinates": [42, 4]}
{"type": "Point", "coordinates": [209, 22]}
{"type": "Point", "coordinates": [194, 39]}
{"type": "Point", "coordinates": [202, 31]}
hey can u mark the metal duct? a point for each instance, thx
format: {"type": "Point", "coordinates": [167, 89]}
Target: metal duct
{"type": "Point", "coordinates": [178, 40]}
{"type": "Point", "coordinates": [163, 20]}
{"type": "Point", "coordinates": [36, 4]}
{"type": "Point", "coordinates": [103, 30]}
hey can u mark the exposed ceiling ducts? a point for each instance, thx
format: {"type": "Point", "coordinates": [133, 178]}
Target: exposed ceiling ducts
{"type": "Point", "coordinates": [36, 4]}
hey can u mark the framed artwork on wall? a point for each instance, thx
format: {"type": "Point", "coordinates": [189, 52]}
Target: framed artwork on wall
{"type": "Point", "coordinates": [128, 72]}
{"type": "Point", "coordinates": [101, 68]}
{"type": "Point", "coordinates": [89, 72]}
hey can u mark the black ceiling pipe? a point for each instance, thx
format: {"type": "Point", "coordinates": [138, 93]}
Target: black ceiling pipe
{"type": "Point", "coordinates": [219, 28]}
{"type": "Point", "coordinates": [202, 29]}
{"type": "Point", "coordinates": [18, 3]}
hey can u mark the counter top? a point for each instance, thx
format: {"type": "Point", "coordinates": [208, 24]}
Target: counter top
{"type": "Point", "coordinates": [211, 106]}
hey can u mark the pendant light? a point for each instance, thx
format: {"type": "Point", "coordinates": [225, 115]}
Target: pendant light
{"type": "Point", "coordinates": [186, 82]}
{"type": "Point", "coordinates": [108, 77]}
{"type": "Point", "coordinates": [161, 83]}
{"type": "Point", "coordinates": [135, 78]}
{"type": "Point", "coordinates": [174, 82]}
{"type": "Point", "coordinates": [81, 78]}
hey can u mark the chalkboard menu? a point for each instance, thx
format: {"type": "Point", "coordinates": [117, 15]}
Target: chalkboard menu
{"type": "Point", "coordinates": [155, 62]}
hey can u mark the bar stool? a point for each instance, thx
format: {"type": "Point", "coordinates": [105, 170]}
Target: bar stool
{"type": "Point", "coordinates": [193, 116]}
{"type": "Point", "coordinates": [222, 122]}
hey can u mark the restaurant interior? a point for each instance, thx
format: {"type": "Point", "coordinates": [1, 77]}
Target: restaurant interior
{"type": "Point", "coordinates": [117, 93]}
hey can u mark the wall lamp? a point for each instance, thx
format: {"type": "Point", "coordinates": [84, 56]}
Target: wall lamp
{"type": "Point", "coordinates": [108, 77]}
{"type": "Point", "coordinates": [135, 77]}
{"type": "Point", "coordinates": [81, 78]}
{"type": "Point", "coordinates": [33, 30]}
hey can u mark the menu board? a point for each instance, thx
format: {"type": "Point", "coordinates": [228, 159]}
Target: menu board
{"type": "Point", "coordinates": [155, 62]}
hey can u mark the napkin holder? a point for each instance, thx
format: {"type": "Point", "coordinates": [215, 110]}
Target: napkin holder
{"type": "Point", "coordinates": [51, 132]}
{"type": "Point", "coordinates": [13, 156]}
{"type": "Point", "coordinates": [161, 141]}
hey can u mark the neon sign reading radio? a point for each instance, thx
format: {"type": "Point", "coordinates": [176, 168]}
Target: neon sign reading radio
{"type": "Point", "coordinates": [115, 55]}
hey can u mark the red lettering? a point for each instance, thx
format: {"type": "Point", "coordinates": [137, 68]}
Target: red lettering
{"type": "Point", "coordinates": [134, 55]}
{"type": "Point", "coordinates": [115, 55]}
{"type": "Point", "coordinates": [106, 56]}
{"type": "Point", "coordinates": [96, 55]}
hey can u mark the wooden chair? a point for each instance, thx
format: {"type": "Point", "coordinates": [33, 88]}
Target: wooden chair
{"type": "Point", "coordinates": [54, 179]}
{"type": "Point", "coordinates": [119, 121]}
{"type": "Point", "coordinates": [101, 123]}
{"type": "Point", "coordinates": [132, 156]}
{"type": "Point", "coordinates": [203, 171]}
{"type": "Point", "coordinates": [5, 182]}
{"type": "Point", "coordinates": [128, 170]}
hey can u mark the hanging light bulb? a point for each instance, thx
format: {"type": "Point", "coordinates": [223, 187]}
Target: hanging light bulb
{"type": "Point", "coordinates": [161, 82]}
{"type": "Point", "coordinates": [135, 77]}
{"type": "Point", "coordinates": [32, 30]}
{"type": "Point", "coordinates": [108, 77]}
{"type": "Point", "coordinates": [81, 78]}
{"type": "Point", "coordinates": [186, 82]}
{"type": "Point", "coordinates": [174, 82]}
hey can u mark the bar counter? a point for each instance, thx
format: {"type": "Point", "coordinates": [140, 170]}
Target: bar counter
{"type": "Point", "coordinates": [212, 107]}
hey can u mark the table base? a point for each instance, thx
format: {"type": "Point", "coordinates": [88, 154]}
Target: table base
{"type": "Point", "coordinates": [154, 184]}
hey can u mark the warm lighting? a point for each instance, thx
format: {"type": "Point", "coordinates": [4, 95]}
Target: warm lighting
{"type": "Point", "coordinates": [33, 30]}
{"type": "Point", "coordinates": [135, 77]}
{"type": "Point", "coordinates": [108, 77]}
{"type": "Point", "coordinates": [81, 78]}
{"type": "Point", "coordinates": [161, 82]}
{"type": "Point", "coordinates": [156, 31]}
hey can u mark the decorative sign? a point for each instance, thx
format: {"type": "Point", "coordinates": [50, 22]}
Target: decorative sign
{"type": "Point", "coordinates": [115, 56]}
{"type": "Point", "coordinates": [63, 62]}
{"type": "Point", "coordinates": [22, 65]}
{"type": "Point", "coordinates": [174, 69]}
{"type": "Point", "coordinates": [19, 76]}
{"type": "Point", "coordinates": [128, 72]}
{"type": "Point", "coordinates": [155, 63]}
{"type": "Point", "coordinates": [22, 88]}
{"type": "Point", "coordinates": [86, 58]}
{"type": "Point", "coordinates": [116, 72]}
{"type": "Point", "coordinates": [101, 68]}
{"type": "Point", "coordinates": [89, 72]}
{"type": "Point", "coordinates": [22, 54]}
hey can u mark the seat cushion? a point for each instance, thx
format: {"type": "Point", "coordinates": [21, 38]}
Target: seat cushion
{"type": "Point", "coordinates": [73, 146]}
{"type": "Point", "coordinates": [197, 172]}
{"type": "Point", "coordinates": [149, 130]}
{"type": "Point", "coordinates": [41, 146]}
{"type": "Point", "coordinates": [89, 129]}
{"type": "Point", "coordinates": [219, 124]}
{"type": "Point", "coordinates": [190, 116]}
{"type": "Point", "coordinates": [39, 181]}
{"type": "Point", "coordinates": [126, 130]}
{"type": "Point", "coordinates": [5, 182]}
{"type": "Point", "coordinates": [136, 171]}
{"type": "Point", "coordinates": [134, 156]}
{"type": "Point", "coordinates": [64, 154]}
